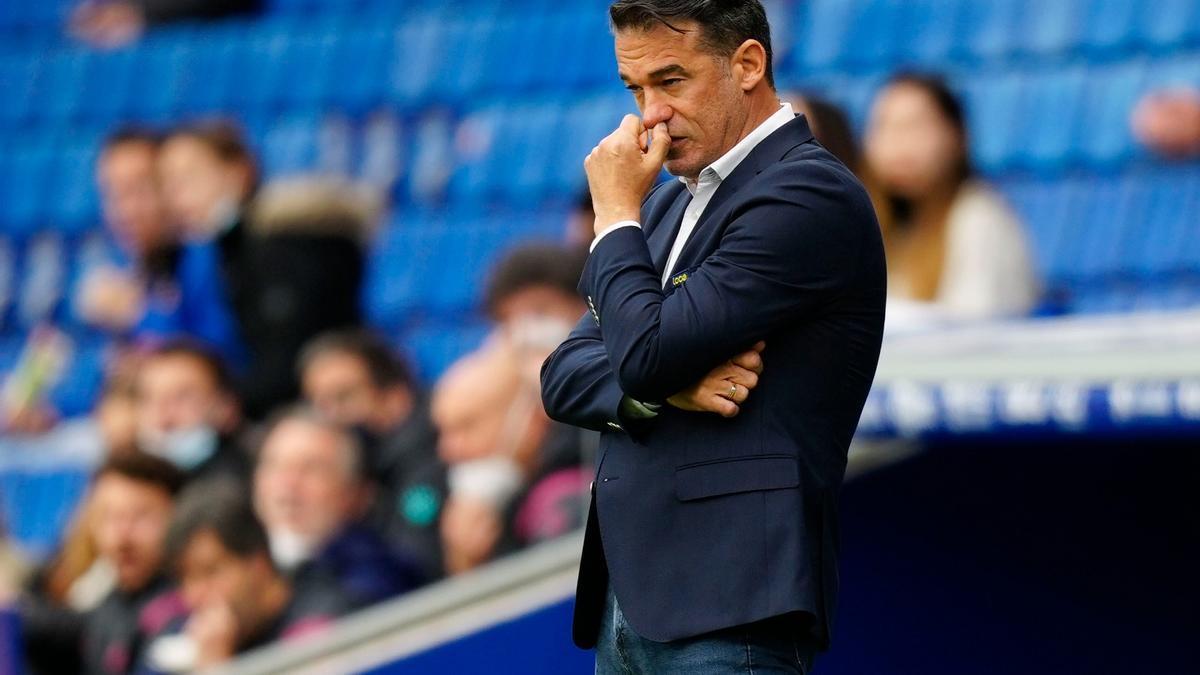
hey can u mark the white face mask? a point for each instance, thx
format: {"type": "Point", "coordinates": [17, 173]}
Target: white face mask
{"type": "Point", "coordinates": [288, 549]}
{"type": "Point", "coordinates": [221, 217]}
{"type": "Point", "coordinates": [186, 448]}
{"type": "Point", "coordinates": [492, 479]}
{"type": "Point", "coordinates": [539, 333]}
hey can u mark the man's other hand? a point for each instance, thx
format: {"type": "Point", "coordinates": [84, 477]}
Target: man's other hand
{"type": "Point", "coordinates": [724, 389]}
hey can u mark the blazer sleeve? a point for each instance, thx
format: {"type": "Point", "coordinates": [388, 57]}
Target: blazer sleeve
{"type": "Point", "coordinates": [786, 252]}
{"type": "Point", "coordinates": [578, 385]}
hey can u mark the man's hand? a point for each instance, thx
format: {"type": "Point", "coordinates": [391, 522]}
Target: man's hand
{"type": "Point", "coordinates": [623, 168]}
{"type": "Point", "coordinates": [726, 387]}
{"type": "Point", "coordinates": [214, 630]}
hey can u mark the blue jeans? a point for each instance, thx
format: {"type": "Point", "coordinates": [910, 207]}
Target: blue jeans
{"type": "Point", "coordinates": [765, 647]}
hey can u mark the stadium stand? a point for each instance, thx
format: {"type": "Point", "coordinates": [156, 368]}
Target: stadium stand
{"type": "Point", "coordinates": [474, 116]}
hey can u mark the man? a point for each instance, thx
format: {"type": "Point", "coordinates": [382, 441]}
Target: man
{"type": "Point", "coordinates": [132, 499]}
{"type": "Point", "coordinates": [501, 448]}
{"type": "Point", "coordinates": [187, 412]}
{"type": "Point", "coordinates": [120, 299]}
{"type": "Point", "coordinates": [238, 599]}
{"type": "Point", "coordinates": [711, 544]}
{"type": "Point", "coordinates": [310, 491]}
{"type": "Point", "coordinates": [356, 380]}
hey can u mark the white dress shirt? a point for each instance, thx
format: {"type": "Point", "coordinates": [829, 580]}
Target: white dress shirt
{"type": "Point", "coordinates": [705, 186]}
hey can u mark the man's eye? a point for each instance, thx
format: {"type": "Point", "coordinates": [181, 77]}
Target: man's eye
{"type": "Point", "coordinates": [672, 81]}
{"type": "Point", "coordinates": [633, 88]}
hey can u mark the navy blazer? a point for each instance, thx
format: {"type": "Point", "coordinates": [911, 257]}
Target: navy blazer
{"type": "Point", "coordinates": [700, 522]}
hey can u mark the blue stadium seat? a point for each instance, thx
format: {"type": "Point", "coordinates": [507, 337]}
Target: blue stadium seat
{"type": "Point", "coordinates": [1049, 108]}
{"type": "Point", "coordinates": [1110, 24]}
{"type": "Point", "coordinates": [1052, 28]}
{"type": "Point", "coordinates": [993, 104]}
{"type": "Point", "coordinates": [37, 504]}
{"type": "Point", "coordinates": [989, 29]}
{"type": "Point", "coordinates": [107, 86]}
{"type": "Point", "coordinates": [291, 145]}
{"type": "Point", "coordinates": [1165, 25]}
{"type": "Point", "coordinates": [360, 61]}
{"type": "Point", "coordinates": [1111, 94]}
{"type": "Point", "coordinates": [59, 84]}
{"type": "Point", "coordinates": [927, 30]}
{"type": "Point", "coordinates": [433, 346]}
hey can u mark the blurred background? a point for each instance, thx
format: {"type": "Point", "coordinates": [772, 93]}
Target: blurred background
{"type": "Point", "coordinates": [316, 250]}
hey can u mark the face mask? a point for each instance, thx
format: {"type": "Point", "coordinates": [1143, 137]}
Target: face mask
{"type": "Point", "coordinates": [185, 448]}
{"type": "Point", "coordinates": [539, 333]}
{"type": "Point", "coordinates": [221, 217]}
{"type": "Point", "coordinates": [491, 479]}
{"type": "Point", "coordinates": [288, 549]}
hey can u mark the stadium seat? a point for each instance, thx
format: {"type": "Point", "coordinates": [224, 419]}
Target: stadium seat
{"type": "Point", "coordinates": [1110, 96]}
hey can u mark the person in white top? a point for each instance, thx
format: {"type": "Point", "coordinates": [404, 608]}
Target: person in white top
{"type": "Point", "coordinates": [955, 250]}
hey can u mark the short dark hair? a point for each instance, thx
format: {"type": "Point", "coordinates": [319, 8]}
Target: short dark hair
{"type": "Point", "coordinates": [724, 24]}
{"type": "Point", "coordinates": [207, 358]}
{"type": "Point", "coordinates": [387, 368]}
{"type": "Point", "coordinates": [132, 134]}
{"type": "Point", "coordinates": [222, 507]}
{"type": "Point", "coordinates": [530, 265]}
{"type": "Point", "coordinates": [142, 468]}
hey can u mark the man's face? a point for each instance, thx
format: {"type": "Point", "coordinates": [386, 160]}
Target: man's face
{"type": "Point", "coordinates": [910, 146]}
{"type": "Point", "coordinates": [675, 81]}
{"type": "Point", "coordinates": [195, 182]}
{"type": "Point", "coordinates": [133, 207]}
{"type": "Point", "coordinates": [130, 520]}
{"type": "Point", "coordinates": [177, 391]}
{"type": "Point", "coordinates": [212, 575]}
{"type": "Point", "coordinates": [470, 422]}
{"type": "Point", "coordinates": [339, 386]}
{"type": "Point", "coordinates": [305, 483]}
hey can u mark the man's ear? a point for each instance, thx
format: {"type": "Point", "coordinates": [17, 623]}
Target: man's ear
{"type": "Point", "coordinates": [749, 64]}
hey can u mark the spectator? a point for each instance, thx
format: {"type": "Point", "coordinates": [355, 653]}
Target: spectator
{"type": "Point", "coordinates": [1168, 122]}
{"type": "Point", "coordinates": [531, 295]}
{"type": "Point", "coordinates": [187, 412]}
{"type": "Point", "coordinates": [133, 497]}
{"type": "Point", "coordinates": [501, 448]}
{"type": "Point", "coordinates": [267, 272]}
{"type": "Point", "coordinates": [237, 598]}
{"type": "Point", "coordinates": [145, 287]}
{"type": "Point", "coordinates": [129, 508]}
{"type": "Point", "coordinates": [311, 493]}
{"type": "Point", "coordinates": [954, 248]}
{"type": "Point", "coordinates": [356, 380]}
{"type": "Point", "coordinates": [113, 23]}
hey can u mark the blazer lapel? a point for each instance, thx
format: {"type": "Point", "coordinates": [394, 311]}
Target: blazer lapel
{"type": "Point", "coordinates": [768, 152]}
{"type": "Point", "coordinates": [667, 229]}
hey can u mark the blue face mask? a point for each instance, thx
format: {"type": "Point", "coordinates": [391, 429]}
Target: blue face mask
{"type": "Point", "coordinates": [185, 448]}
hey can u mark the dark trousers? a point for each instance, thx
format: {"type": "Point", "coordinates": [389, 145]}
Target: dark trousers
{"type": "Point", "coordinates": [765, 647]}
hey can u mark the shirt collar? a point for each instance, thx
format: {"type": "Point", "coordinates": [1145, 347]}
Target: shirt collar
{"type": "Point", "coordinates": [724, 166]}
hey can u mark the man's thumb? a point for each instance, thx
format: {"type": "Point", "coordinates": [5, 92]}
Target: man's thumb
{"type": "Point", "coordinates": [659, 144]}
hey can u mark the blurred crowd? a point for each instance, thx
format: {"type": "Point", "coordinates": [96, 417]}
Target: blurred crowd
{"type": "Point", "coordinates": [271, 464]}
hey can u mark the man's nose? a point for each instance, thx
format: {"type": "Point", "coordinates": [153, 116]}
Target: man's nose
{"type": "Point", "coordinates": [655, 112]}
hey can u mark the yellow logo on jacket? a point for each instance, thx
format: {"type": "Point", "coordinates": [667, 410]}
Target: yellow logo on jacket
{"type": "Point", "coordinates": [678, 279]}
